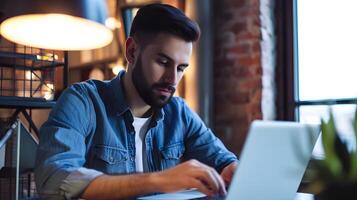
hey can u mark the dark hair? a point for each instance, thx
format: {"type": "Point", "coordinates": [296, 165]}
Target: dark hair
{"type": "Point", "coordinates": [155, 18]}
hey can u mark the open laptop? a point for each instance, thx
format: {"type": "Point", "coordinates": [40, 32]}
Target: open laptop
{"type": "Point", "coordinates": [272, 163]}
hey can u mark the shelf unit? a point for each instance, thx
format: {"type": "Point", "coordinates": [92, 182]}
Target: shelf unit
{"type": "Point", "coordinates": [30, 78]}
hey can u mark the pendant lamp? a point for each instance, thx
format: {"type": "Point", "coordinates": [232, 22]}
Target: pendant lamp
{"type": "Point", "coordinates": [55, 24]}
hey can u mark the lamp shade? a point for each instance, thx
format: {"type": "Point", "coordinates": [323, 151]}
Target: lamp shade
{"type": "Point", "coordinates": [55, 24]}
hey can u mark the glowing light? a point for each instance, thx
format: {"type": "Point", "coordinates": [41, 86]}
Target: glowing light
{"type": "Point", "coordinates": [117, 68]}
{"type": "Point", "coordinates": [96, 74]}
{"type": "Point", "coordinates": [50, 86]}
{"type": "Point", "coordinates": [47, 57]}
{"type": "Point", "coordinates": [48, 96]}
{"type": "Point", "coordinates": [29, 75]}
{"type": "Point", "coordinates": [48, 91]}
{"type": "Point", "coordinates": [56, 31]}
{"type": "Point", "coordinates": [112, 23]}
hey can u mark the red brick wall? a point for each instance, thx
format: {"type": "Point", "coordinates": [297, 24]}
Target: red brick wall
{"type": "Point", "coordinates": [237, 69]}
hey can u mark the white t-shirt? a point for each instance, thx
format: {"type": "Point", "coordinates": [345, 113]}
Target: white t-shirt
{"type": "Point", "coordinates": [140, 126]}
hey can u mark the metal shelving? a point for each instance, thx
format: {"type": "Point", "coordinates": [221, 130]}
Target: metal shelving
{"type": "Point", "coordinates": [30, 78]}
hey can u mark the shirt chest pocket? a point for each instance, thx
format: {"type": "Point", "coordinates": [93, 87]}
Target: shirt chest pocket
{"type": "Point", "coordinates": [171, 155]}
{"type": "Point", "coordinates": [111, 160]}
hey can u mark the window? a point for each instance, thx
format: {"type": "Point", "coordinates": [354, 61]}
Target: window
{"type": "Point", "coordinates": [325, 64]}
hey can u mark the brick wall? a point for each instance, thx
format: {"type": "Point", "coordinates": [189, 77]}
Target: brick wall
{"type": "Point", "coordinates": [238, 69]}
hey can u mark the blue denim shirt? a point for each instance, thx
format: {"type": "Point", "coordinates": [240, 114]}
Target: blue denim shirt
{"type": "Point", "coordinates": [89, 132]}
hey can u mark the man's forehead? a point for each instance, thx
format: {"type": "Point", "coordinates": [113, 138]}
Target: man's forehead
{"type": "Point", "coordinates": [173, 47]}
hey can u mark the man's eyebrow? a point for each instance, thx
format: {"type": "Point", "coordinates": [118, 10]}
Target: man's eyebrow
{"type": "Point", "coordinates": [165, 56]}
{"type": "Point", "coordinates": [171, 60]}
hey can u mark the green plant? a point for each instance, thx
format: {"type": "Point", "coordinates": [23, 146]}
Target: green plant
{"type": "Point", "coordinates": [339, 167]}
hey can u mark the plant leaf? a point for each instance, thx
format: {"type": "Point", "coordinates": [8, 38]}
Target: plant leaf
{"type": "Point", "coordinates": [355, 126]}
{"type": "Point", "coordinates": [328, 141]}
{"type": "Point", "coordinates": [343, 154]}
{"type": "Point", "coordinates": [353, 174]}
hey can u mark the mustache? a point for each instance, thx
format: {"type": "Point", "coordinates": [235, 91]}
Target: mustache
{"type": "Point", "coordinates": [167, 86]}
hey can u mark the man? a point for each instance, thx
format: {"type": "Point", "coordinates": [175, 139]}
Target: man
{"type": "Point", "coordinates": [129, 137]}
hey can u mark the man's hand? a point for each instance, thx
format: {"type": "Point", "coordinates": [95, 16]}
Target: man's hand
{"type": "Point", "coordinates": [187, 175]}
{"type": "Point", "coordinates": [228, 171]}
{"type": "Point", "coordinates": [191, 174]}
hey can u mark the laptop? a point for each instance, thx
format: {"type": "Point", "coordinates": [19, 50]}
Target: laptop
{"type": "Point", "coordinates": [272, 163]}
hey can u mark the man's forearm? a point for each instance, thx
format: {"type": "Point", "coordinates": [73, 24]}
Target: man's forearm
{"type": "Point", "coordinates": [189, 174]}
{"type": "Point", "coordinates": [121, 186]}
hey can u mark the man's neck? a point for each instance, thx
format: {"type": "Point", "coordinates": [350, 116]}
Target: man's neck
{"type": "Point", "coordinates": [137, 105]}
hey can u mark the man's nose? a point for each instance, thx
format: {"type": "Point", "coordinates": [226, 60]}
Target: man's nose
{"type": "Point", "coordinates": [171, 76]}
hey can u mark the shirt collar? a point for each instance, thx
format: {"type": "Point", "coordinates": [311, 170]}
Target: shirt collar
{"type": "Point", "coordinates": [120, 103]}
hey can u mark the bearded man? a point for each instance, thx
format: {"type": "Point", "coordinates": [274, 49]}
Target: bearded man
{"type": "Point", "coordinates": [130, 137]}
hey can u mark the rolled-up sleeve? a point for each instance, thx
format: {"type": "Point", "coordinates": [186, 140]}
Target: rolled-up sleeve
{"type": "Point", "coordinates": [77, 181]}
{"type": "Point", "coordinates": [59, 171]}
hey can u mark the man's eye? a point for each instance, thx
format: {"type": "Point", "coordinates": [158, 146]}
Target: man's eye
{"type": "Point", "coordinates": [162, 62]}
{"type": "Point", "coordinates": [181, 69]}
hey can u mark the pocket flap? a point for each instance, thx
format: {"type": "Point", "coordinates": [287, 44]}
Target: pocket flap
{"type": "Point", "coordinates": [111, 155]}
{"type": "Point", "coordinates": [173, 152]}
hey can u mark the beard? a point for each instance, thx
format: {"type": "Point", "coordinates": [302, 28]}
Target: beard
{"type": "Point", "coordinates": [150, 93]}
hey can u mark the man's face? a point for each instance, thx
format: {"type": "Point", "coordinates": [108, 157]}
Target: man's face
{"type": "Point", "coordinates": [159, 67]}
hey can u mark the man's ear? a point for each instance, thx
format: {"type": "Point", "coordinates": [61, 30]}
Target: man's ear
{"type": "Point", "coordinates": [130, 49]}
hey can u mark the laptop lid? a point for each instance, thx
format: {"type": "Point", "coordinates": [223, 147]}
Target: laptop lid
{"type": "Point", "coordinates": [271, 166]}
{"type": "Point", "coordinates": [273, 160]}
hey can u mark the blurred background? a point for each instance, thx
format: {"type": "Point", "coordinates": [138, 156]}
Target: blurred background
{"type": "Point", "coordinates": [256, 59]}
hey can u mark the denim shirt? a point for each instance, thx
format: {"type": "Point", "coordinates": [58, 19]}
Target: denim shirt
{"type": "Point", "coordinates": [89, 132]}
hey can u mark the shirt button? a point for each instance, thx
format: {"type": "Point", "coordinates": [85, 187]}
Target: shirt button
{"type": "Point", "coordinates": [132, 159]}
{"type": "Point", "coordinates": [111, 159]}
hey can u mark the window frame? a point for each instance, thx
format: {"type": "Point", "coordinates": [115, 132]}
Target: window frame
{"type": "Point", "coordinates": [288, 101]}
